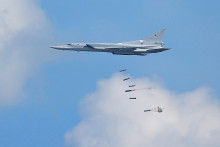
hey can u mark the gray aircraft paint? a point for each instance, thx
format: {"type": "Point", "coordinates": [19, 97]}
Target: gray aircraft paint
{"type": "Point", "coordinates": [152, 44]}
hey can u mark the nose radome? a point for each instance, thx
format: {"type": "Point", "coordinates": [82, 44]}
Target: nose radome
{"type": "Point", "coordinates": [58, 47]}
{"type": "Point", "coordinates": [55, 47]}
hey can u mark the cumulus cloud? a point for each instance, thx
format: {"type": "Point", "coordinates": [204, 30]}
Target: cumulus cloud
{"type": "Point", "coordinates": [109, 118]}
{"type": "Point", "coordinates": [25, 36]}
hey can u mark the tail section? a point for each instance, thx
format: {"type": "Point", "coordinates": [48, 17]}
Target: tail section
{"type": "Point", "coordinates": [154, 39]}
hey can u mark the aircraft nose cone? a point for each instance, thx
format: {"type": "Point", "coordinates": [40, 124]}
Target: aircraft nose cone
{"type": "Point", "coordinates": [55, 47]}
{"type": "Point", "coordinates": [59, 47]}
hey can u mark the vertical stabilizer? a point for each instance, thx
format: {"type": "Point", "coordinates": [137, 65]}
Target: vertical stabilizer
{"type": "Point", "coordinates": [155, 39]}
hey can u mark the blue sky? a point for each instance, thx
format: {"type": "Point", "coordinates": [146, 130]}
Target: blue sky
{"type": "Point", "coordinates": [51, 93]}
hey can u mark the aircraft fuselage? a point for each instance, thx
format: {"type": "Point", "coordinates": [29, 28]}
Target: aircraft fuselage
{"type": "Point", "coordinates": [116, 48]}
{"type": "Point", "coordinates": [152, 44]}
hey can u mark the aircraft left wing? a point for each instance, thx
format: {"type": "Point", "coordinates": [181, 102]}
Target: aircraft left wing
{"type": "Point", "coordinates": [110, 46]}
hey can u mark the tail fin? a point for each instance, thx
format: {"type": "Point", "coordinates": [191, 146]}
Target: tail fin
{"type": "Point", "coordinates": [155, 39]}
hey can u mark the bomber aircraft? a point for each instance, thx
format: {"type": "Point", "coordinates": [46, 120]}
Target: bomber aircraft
{"type": "Point", "coordinates": [152, 44]}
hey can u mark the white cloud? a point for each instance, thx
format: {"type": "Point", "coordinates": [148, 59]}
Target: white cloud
{"type": "Point", "coordinates": [109, 118]}
{"type": "Point", "coordinates": [25, 36]}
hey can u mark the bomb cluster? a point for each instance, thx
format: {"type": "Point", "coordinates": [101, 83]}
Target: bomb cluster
{"type": "Point", "coordinates": [131, 88]}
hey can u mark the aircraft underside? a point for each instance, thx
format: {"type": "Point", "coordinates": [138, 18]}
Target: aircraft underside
{"type": "Point", "coordinates": [122, 51]}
